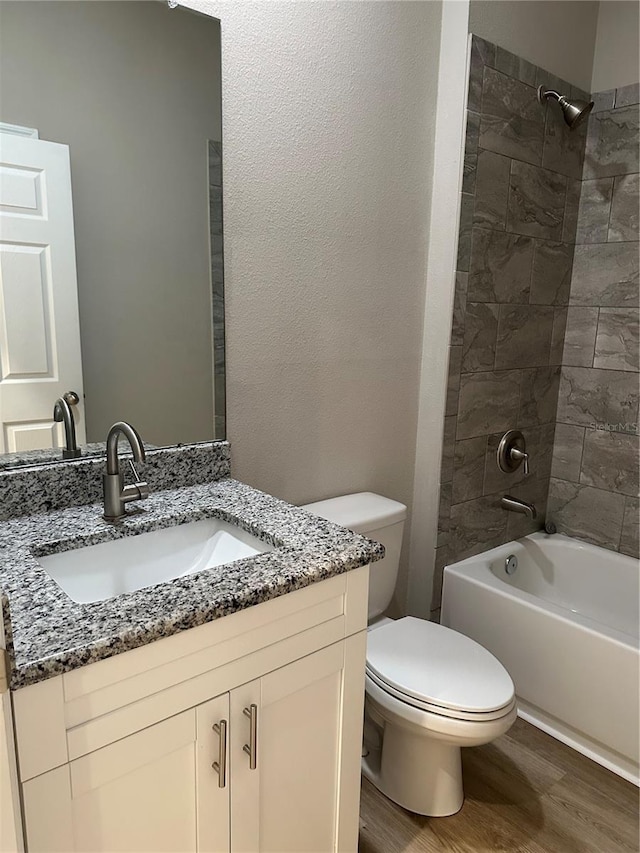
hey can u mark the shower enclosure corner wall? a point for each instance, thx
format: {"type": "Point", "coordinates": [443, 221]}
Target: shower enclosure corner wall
{"type": "Point", "coordinates": [523, 305]}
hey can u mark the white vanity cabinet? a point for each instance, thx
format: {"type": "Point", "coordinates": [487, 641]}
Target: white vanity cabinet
{"type": "Point", "coordinates": [118, 755]}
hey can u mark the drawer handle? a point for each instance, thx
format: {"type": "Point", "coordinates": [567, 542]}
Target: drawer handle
{"type": "Point", "coordinates": [251, 748]}
{"type": "Point", "coordinates": [220, 766]}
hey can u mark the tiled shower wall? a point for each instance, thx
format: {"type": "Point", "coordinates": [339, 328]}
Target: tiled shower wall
{"type": "Point", "coordinates": [518, 223]}
{"type": "Point", "coordinates": [594, 485]}
{"type": "Point", "coordinates": [516, 287]}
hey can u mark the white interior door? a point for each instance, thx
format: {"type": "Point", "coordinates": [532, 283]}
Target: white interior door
{"type": "Point", "coordinates": [39, 326]}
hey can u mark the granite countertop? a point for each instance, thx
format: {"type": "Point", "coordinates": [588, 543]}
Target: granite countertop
{"type": "Point", "coordinates": [47, 633]}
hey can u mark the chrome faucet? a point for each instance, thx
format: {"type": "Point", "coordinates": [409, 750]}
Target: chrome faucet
{"type": "Point", "coordinates": [62, 412]}
{"type": "Point", "coordinates": [516, 505]}
{"type": "Point", "coordinates": [116, 494]}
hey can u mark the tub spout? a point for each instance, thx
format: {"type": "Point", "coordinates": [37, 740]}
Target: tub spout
{"type": "Point", "coordinates": [516, 505]}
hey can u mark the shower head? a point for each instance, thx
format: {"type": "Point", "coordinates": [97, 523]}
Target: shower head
{"type": "Point", "coordinates": [574, 109]}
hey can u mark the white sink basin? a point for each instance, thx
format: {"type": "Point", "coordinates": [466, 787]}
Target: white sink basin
{"type": "Point", "coordinates": [135, 562]}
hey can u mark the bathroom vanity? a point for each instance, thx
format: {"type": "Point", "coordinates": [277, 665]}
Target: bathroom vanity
{"type": "Point", "coordinates": [221, 710]}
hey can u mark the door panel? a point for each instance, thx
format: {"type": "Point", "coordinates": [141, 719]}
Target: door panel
{"type": "Point", "coordinates": [39, 326]}
{"type": "Point", "coordinates": [139, 793]}
{"type": "Point", "coordinates": [294, 789]}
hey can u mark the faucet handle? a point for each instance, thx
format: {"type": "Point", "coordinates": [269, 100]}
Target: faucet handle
{"type": "Point", "coordinates": [141, 485]}
{"type": "Point", "coordinates": [136, 491]}
{"type": "Point", "coordinates": [521, 456]}
{"type": "Point", "coordinates": [511, 452]}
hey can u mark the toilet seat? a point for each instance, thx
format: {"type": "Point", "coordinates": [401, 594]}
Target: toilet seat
{"type": "Point", "coordinates": [434, 669]}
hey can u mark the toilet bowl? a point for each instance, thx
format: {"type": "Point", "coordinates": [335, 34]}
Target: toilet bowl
{"type": "Point", "coordinates": [429, 690]}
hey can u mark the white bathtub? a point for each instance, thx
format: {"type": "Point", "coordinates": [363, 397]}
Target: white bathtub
{"type": "Point", "coordinates": [565, 625]}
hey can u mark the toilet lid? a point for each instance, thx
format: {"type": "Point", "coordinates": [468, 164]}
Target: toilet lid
{"type": "Point", "coordinates": [434, 664]}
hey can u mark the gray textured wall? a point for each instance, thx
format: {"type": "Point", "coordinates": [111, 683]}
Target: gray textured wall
{"type": "Point", "coordinates": [134, 89]}
{"type": "Point", "coordinates": [594, 489]}
{"type": "Point", "coordinates": [559, 36]}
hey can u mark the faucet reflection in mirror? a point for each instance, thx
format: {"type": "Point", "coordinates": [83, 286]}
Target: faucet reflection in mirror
{"type": "Point", "coordinates": [62, 411]}
{"type": "Point", "coordinates": [140, 129]}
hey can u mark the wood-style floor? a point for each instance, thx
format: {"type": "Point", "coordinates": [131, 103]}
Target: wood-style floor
{"type": "Point", "coordinates": [524, 793]}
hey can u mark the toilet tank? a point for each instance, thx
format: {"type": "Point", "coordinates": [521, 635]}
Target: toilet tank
{"type": "Point", "coordinates": [377, 518]}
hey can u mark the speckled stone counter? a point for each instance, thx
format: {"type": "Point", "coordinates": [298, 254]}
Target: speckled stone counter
{"type": "Point", "coordinates": [47, 633]}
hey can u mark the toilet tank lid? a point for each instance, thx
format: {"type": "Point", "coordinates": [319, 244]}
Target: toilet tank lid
{"type": "Point", "coordinates": [361, 512]}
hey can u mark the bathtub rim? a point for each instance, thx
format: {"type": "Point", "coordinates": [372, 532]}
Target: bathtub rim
{"type": "Point", "coordinates": [484, 576]}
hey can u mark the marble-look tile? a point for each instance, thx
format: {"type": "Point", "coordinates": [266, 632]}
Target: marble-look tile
{"type": "Point", "coordinates": [472, 132]}
{"type": "Point", "coordinates": [563, 148]}
{"type": "Point", "coordinates": [545, 452]}
{"type": "Point", "coordinates": [512, 120]}
{"type": "Point", "coordinates": [612, 143]}
{"type": "Point", "coordinates": [468, 469]}
{"type": "Point", "coordinates": [459, 309]}
{"type": "Point", "coordinates": [480, 331]}
{"type": "Point", "coordinates": [570, 224]}
{"type": "Point", "coordinates": [630, 538]}
{"type": "Point", "coordinates": [469, 170]}
{"type": "Point", "coordinates": [515, 66]}
{"type": "Point", "coordinates": [603, 100]}
{"type": "Point", "coordinates": [581, 94]}
{"type": "Point", "coordinates": [444, 511]}
{"type": "Point", "coordinates": [605, 274]}
{"type": "Point", "coordinates": [594, 209]}
{"type": "Point", "coordinates": [453, 382]}
{"type": "Point", "coordinates": [551, 273]}
{"type": "Point", "coordinates": [617, 342]}
{"type": "Point", "coordinates": [464, 234]}
{"type": "Point", "coordinates": [623, 224]}
{"type": "Point", "coordinates": [628, 95]}
{"type": "Point", "coordinates": [567, 452]}
{"type": "Point", "coordinates": [448, 441]}
{"type": "Point", "coordinates": [580, 336]}
{"type": "Point", "coordinates": [500, 269]}
{"type": "Point", "coordinates": [587, 513]}
{"type": "Point", "coordinates": [441, 560]}
{"type": "Point", "coordinates": [533, 491]}
{"type": "Point", "coordinates": [482, 52]}
{"type": "Point", "coordinates": [538, 396]}
{"type": "Point", "coordinates": [471, 152]}
{"type": "Point", "coordinates": [524, 336]}
{"type": "Point", "coordinates": [488, 402]}
{"type": "Point", "coordinates": [536, 201]}
{"type": "Point", "coordinates": [610, 461]}
{"type": "Point", "coordinates": [552, 81]}
{"type": "Point", "coordinates": [557, 335]}
{"type": "Point", "coordinates": [601, 399]}
{"type": "Point", "coordinates": [477, 526]}
{"type": "Point", "coordinates": [492, 190]}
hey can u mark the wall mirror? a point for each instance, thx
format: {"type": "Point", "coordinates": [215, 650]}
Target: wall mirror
{"type": "Point", "coordinates": [128, 95]}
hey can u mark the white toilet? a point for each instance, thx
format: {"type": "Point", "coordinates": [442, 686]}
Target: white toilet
{"type": "Point", "coordinates": [429, 690]}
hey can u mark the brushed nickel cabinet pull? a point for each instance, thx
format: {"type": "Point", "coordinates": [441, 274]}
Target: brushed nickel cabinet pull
{"type": "Point", "coordinates": [251, 748]}
{"type": "Point", "coordinates": [220, 766]}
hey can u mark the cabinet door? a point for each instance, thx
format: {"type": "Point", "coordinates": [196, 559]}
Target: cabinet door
{"type": "Point", "coordinates": [212, 732]}
{"type": "Point", "coordinates": [144, 793]}
{"type": "Point", "coordinates": [292, 801]}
